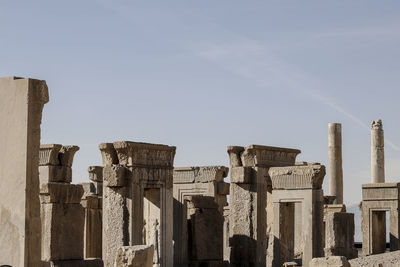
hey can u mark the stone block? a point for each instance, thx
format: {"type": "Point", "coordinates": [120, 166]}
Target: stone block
{"type": "Point", "coordinates": [135, 256]}
{"type": "Point", "coordinates": [388, 259]}
{"type": "Point", "coordinates": [21, 104]}
{"type": "Point", "coordinates": [223, 188]}
{"type": "Point", "coordinates": [88, 189]}
{"type": "Point", "coordinates": [381, 191]}
{"type": "Point", "coordinates": [62, 231]}
{"type": "Point", "coordinates": [114, 176]}
{"type": "Point", "coordinates": [49, 173]}
{"type": "Point", "coordinates": [241, 175]}
{"type": "Point", "coordinates": [61, 193]}
{"type": "Point", "coordinates": [96, 173]}
{"type": "Point", "coordinates": [204, 174]}
{"type": "Point", "coordinates": [333, 261]}
{"type": "Point", "coordinates": [268, 156]}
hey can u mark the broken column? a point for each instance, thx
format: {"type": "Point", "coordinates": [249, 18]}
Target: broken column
{"type": "Point", "coordinates": [137, 199]}
{"type": "Point", "coordinates": [335, 162]}
{"type": "Point", "coordinates": [21, 104]}
{"type": "Point", "coordinates": [92, 201]}
{"type": "Point", "coordinates": [301, 185]}
{"type": "Point", "coordinates": [208, 182]}
{"type": "Point", "coordinates": [248, 200]}
{"type": "Point", "coordinates": [377, 153]}
{"type": "Point", "coordinates": [339, 239]}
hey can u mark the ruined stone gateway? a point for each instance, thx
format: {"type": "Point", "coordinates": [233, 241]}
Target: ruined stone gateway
{"type": "Point", "coordinates": [138, 209]}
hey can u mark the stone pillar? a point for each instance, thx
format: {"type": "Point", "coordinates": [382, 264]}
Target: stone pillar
{"type": "Point", "coordinates": [335, 162]}
{"type": "Point", "coordinates": [248, 200]}
{"type": "Point", "coordinates": [92, 201]}
{"type": "Point", "coordinates": [207, 181]}
{"type": "Point", "coordinates": [339, 240]}
{"type": "Point", "coordinates": [377, 153]}
{"type": "Point", "coordinates": [21, 104]}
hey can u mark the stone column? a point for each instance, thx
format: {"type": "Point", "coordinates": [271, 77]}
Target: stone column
{"type": "Point", "coordinates": [377, 153]}
{"type": "Point", "coordinates": [335, 162]}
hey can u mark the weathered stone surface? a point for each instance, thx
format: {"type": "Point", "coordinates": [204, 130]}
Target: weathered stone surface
{"type": "Point", "coordinates": [93, 226]}
{"type": "Point", "coordinates": [21, 104]}
{"type": "Point", "coordinates": [96, 173]}
{"type": "Point", "coordinates": [381, 191]}
{"type": "Point", "coordinates": [61, 193]}
{"type": "Point", "coordinates": [339, 235]}
{"type": "Point", "coordinates": [201, 174]}
{"type": "Point", "coordinates": [242, 175]}
{"type": "Point", "coordinates": [48, 154]}
{"type": "Point", "coordinates": [297, 177]}
{"type": "Point", "coordinates": [377, 153]}
{"type": "Point", "coordinates": [135, 256]}
{"type": "Point", "coordinates": [333, 261]}
{"type": "Point", "coordinates": [74, 263]}
{"type": "Point", "coordinates": [50, 173]}
{"type": "Point", "coordinates": [114, 176]}
{"type": "Point", "coordinates": [268, 156]}
{"type": "Point", "coordinates": [62, 231]}
{"type": "Point", "coordinates": [389, 259]}
{"type": "Point", "coordinates": [335, 162]}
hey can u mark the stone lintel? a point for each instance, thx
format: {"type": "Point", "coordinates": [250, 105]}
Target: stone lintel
{"type": "Point", "coordinates": [135, 154]}
{"type": "Point", "coordinates": [297, 177]}
{"type": "Point", "coordinates": [200, 174]}
{"type": "Point", "coordinates": [114, 176]}
{"type": "Point", "coordinates": [48, 154]}
{"type": "Point", "coordinates": [61, 193]}
{"type": "Point", "coordinates": [92, 202]}
{"type": "Point", "coordinates": [381, 191]}
{"type": "Point", "coordinates": [261, 156]}
{"type": "Point", "coordinates": [241, 175]}
{"type": "Point", "coordinates": [95, 173]}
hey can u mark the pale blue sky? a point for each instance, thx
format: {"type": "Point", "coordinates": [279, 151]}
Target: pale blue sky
{"type": "Point", "coordinates": [202, 75]}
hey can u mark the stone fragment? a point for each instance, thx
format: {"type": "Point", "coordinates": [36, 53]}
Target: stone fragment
{"type": "Point", "coordinates": [388, 259]}
{"type": "Point", "coordinates": [135, 256]}
{"type": "Point", "coordinates": [333, 261]}
{"type": "Point", "coordinates": [21, 104]}
{"type": "Point", "coordinates": [297, 177]}
{"type": "Point", "coordinates": [114, 176]}
{"type": "Point", "coordinates": [96, 173]}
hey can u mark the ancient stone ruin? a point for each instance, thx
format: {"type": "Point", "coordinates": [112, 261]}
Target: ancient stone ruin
{"type": "Point", "coordinates": [137, 209]}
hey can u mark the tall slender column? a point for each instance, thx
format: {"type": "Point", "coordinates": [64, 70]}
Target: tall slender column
{"type": "Point", "coordinates": [377, 153]}
{"type": "Point", "coordinates": [335, 162]}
